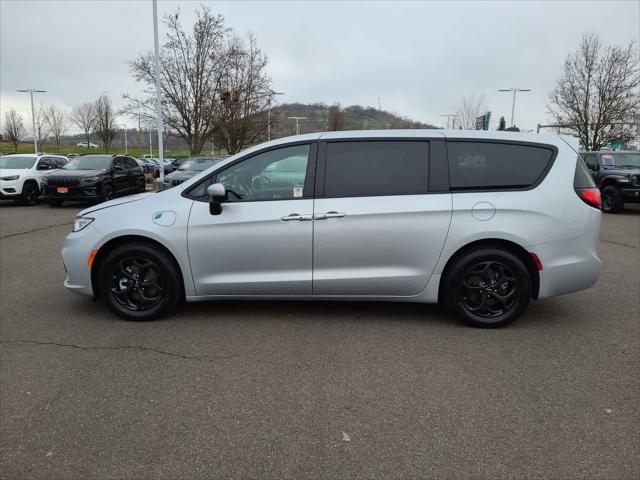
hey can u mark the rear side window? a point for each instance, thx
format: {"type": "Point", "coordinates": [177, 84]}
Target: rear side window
{"type": "Point", "coordinates": [486, 165]}
{"type": "Point", "coordinates": [373, 168]}
{"type": "Point", "coordinates": [582, 178]}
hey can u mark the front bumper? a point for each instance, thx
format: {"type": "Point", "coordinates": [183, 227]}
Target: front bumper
{"type": "Point", "coordinates": [85, 192]}
{"type": "Point", "coordinates": [631, 194]}
{"type": "Point", "coordinates": [76, 252]}
{"type": "Point", "coordinates": [10, 189]}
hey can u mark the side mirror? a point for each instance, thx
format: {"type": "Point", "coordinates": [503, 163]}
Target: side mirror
{"type": "Point", "coordinates": [217, 194]}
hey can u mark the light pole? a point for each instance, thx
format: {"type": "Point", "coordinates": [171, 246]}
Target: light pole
{"type": "Point", "coordinates": [513, 103]}
{"type": "Point", "coordinates": [158, 102]}
{"type": "Point", "coordinates": [297, 119]}
{"type": "Point", "coordinates": [449, 117]}
{"type": "Point", "coordinates": [269, 114]}
{"type": "Point", "coordinates": [124, 125]}
{"type": "Point", "coordinates": [33, 115]}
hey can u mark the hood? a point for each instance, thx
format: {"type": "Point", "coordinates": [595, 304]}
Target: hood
{"type": "Point", "coordinates": [76, 173]}
{"type": "Point", "coordinates": [115, 202]}
{"type": "Point", "coordinates": [9, 172]}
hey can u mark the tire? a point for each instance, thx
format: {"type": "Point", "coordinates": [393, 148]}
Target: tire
{"type": "Point", "coordinates": [30, 194]}
{"type": "Point", "coordinates": [470, 294]}
{"type": "Point", "coordinates": [52, 202]}
{"type": "Point", "coordinates": [612, 200]}
{"type": "Point", "coordinates": [107, 193]}
{"type": "Point", "coordinates": [139, 281]}
{"type": "Point", "coordinates": [142, 186]}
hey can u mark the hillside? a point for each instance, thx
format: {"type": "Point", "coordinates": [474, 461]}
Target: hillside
{"type": "Point", "coordinates": [355, 118]}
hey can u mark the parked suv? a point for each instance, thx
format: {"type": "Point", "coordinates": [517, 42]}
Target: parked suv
{"type": "Point", "coordinates": [469, 219]}
{"type": "Point", "coordinates": [94, 178]}
{"type": "Point", "coordinates": [617, 175]}
{"type": "Point", "coordinates": [21, 175]}
{"type": "Point", "coordinates": [188, 168]}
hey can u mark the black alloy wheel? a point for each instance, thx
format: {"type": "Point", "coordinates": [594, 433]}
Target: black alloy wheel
{"type": "Point", "coordinates": [487, 287]}
{"type": "Point", "coordinates": [138, 281]}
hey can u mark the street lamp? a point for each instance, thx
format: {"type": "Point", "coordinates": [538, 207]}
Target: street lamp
{"type": "Point", "coordinates": [33, 115]}
{"type": "Point", "coordinates": [269, 113]}
{"type": "Point", "coordinates": [297, 119]}
{"type": "Point", "coordinates": [513, 103]}
{"type": "Point", "coordinates": [124, 125]}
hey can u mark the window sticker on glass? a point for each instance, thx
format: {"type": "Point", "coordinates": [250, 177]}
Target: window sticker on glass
{"type": "Point", "coordinates": [608, 160]}
{"type": "Point", "coordinates": [297, 192]}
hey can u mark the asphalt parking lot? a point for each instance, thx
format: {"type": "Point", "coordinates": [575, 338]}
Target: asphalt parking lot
{"type": "Point", "coordinates": [323, 390]}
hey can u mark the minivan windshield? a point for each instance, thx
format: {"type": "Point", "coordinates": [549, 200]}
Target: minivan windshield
{"type": "Point", "coordinates": [197, 164]}
{"type": "Point", "coordinates": [16, 162]}
{"type": "Point", "coordinates": [89, 163]}
{"type": "Point", "coordinates": [619, 159]}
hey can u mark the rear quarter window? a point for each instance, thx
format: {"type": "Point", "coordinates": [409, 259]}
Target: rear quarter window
{"type": "Point", "coordinates": [582, 178]}
{"type": "Point", "coordinates": [487, 165]}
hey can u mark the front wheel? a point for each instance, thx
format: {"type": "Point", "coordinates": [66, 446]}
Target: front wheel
{"type": "Point", "coordinates": [107, 193]}
{"type": "Point", "coordinates": [30, 193]}
{"type": "Point", "coordinates": [612, 200]}
{"type": "Point", "coordinates": [139, 281]}
{"type": "Point", "coordinates": [488, 287]}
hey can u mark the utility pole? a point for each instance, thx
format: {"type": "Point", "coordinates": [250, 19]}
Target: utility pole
{"type": "Point", "coordinates": [297, 119]}
{"type": "Point", "coordinates": [513, 103]}
{"type": "Point", "coordinates": [124, 125]}
{"type": "Point", "coordinates": [449, 117]}
{"type": "Point", "coordinates": [269, 114]}
{"type": "Point", "coordinates": [158, 101]}
{"type": "Point", "coordinates": [31, 91]}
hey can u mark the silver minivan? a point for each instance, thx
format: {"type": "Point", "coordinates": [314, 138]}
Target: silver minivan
{"type": "Point", "coordinates": [479, 221]}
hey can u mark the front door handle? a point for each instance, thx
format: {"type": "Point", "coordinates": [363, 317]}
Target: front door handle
{"type": "Point", "coordinates": [298, 217]}
{"type": "Point", "coordinates": [331, 214]}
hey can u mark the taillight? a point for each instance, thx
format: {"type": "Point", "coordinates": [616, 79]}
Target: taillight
{"type": "Point", "coordinates": [590, 196]}
{"type": "Point", "coordinates": [536, 261]}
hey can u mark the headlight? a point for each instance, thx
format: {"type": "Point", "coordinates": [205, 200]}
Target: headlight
{"type": "Point", "coordinates": [81, 223]}
{"type": "Point", "coordinates": [12, 177]}
{"type": "Point", "coordinates": [89, 180]}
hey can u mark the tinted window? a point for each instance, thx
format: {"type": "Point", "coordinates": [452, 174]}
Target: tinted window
{"type": "Point", "coordinates": [60, 162]}
{"type": "Point", "coordinates": [89, 162]}
{"type": "Point", "coordinates": [358, 169]}
{"type": "Point", "coordinates": [474, 165]}
{"type": "Point", "coordinates": [273, 175]}
{"type": "Point", "coordinates": [582, 177]}
{"type": "Point", "coordinates": [131, 163]}
{"type": "Point", "coordinates": [591, 161]}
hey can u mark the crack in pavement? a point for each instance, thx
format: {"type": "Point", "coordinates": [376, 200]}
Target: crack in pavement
{"type": "Point", "coordinates": [618, 243]}
{"type": "Point", "coordinates": [140, 348]}
{"type": "Point", "coordinates": [34, 230]}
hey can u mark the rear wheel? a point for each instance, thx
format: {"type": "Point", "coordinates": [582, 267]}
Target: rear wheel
{"type": "Point", "coordinates": [30, 194]}
{"type": "Point", "coordinates": [488, 287]}
{"type": "Point", "coordinates": [612, 200]}
{"type": "Point", "coordinates": [139, 282]}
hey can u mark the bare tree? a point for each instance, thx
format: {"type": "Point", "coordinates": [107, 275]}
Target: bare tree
{"type": "Point", "coordinates": [245, 92]}
{"type": "Point", "coordinates": [57, 122]}
{"type": "Point", "coordinates": [14, 127]}
{"type": "Point", "coordinates": [471, 107]}
{"type": "Point", "coordinates": [105, 127]}
{"type": "Point", "coordinates": [84, 117]}
{"type": "Point", "coordinates": [335, 118]}
{"type": "Point", "coordinates": [41, 123]}
{"type": "Point", "coordinates": [190, 69]}
{"type": "Point", "coordinates": [597, 96]}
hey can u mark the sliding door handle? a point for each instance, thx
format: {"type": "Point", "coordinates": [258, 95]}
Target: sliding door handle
{"type": "Point", "coordinates": [331, 214]}
{"type": "Point", "coordinates": [298, 217]}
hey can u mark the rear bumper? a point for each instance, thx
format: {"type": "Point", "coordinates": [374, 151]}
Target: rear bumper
{"type": "Point", "coordinates": [570, 265]}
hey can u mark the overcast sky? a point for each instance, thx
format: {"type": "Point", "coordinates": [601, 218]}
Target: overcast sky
{"type": "Point", "coordinates": [420, 58]}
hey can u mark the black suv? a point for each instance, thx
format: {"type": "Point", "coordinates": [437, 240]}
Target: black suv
{"type": "Point", "coordinates": [94, 178]}
{"type": "Point", "coordinates": [617, 175]}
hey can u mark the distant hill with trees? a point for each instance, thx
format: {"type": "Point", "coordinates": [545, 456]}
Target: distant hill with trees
{"type": "Point", "coordinates": [321, 117]}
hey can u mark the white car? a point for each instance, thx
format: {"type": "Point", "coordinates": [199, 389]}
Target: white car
{"type": "Point", "coordinates": [482, 222]}
{"type": "Point", "coordinates": [86, 145]}
{"type": "Point", "coordinates": [21, 175]}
